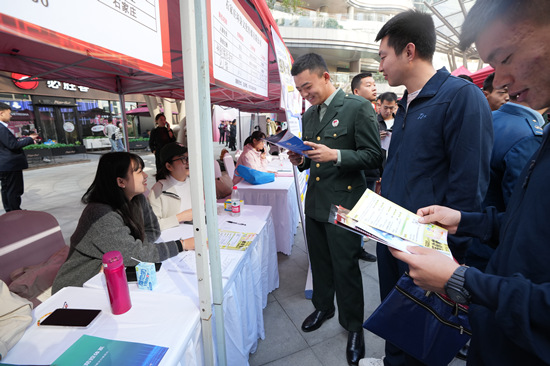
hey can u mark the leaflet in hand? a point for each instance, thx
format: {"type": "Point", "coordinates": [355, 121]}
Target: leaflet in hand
{"type": "Point", "coordinates": [287, 140]}
{"type": "Point", "coordinates": [388, 223]}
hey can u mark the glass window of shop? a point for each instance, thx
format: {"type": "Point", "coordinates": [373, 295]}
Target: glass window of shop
{"type": "Point", "coordinates": [22, 113]}
{"type": "Point", "coordinates": [131, 122]}
{"type": "Point", "coordinates": [94, 113]}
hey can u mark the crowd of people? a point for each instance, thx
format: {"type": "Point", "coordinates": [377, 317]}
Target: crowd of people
{"type": "Point", "coordinates": [475, 161]}
{"type": "Point", "coordinates": [228, 134]}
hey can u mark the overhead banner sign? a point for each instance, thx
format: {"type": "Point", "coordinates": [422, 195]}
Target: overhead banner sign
{"type": "Point", "coordinates": [132, 33]}
{"type": "Point", "coordinates": [291, 100]}
{"type": "Point", "coordinates": [238, 50]}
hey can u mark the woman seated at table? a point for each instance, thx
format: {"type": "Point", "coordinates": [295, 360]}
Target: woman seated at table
{"type": "Point", "coordinates": [116, 217]}
{"type": "Point", "coordinates": [170, 197]}
{"type": "Point", "coordinates": [253, 155]}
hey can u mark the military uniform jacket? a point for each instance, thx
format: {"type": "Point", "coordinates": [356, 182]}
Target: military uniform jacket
{"type": "Point", "coordinates": [349, 125]}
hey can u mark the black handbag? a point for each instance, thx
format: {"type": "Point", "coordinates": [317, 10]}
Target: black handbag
{"type": "Point", "coordinates": [424, 324]}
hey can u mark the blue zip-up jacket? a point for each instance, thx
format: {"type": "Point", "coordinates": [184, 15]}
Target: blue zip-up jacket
{"type": "Point", "coordinates": [518, 133]}
{"type": "Point", "coordinates": [440, 150]}
{"type": "Point", "coordinates": [510, 309]}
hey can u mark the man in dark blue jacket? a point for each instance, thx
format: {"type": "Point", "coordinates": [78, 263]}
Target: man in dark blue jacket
{"type": "Point", "coordinates": [441, 142]}
{"type": "Point", "coordinates": [509, 303]}
{"type": "Point", "coordinates": [12, 161]}
{"type": "Point", "coordinates": [518, 134]}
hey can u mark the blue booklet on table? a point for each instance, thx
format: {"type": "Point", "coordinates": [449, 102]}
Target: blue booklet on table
{"type": "Point", "coordinates": [89, 350]}
{"type": "Point", "coordinates": [287, 140]}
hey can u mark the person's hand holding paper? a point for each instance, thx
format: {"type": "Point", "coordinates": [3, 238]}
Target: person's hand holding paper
{"type": "Point", "coordinates": [321, 153]}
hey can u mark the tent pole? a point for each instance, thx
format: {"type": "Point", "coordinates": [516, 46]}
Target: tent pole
{"type": "Point", "coordinates": [201, 164]}
{"type": "Point", "coordinates": [123, 112]}
{"type": "Point", "coordinates": [124, 121]}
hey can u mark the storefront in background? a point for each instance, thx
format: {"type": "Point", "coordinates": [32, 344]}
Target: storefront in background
{"type": "Point", "coordinates": [60, 111]}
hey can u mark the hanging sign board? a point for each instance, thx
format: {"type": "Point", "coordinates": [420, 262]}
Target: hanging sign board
{"type": "Point", "coordinates": [132, 33]}
{"type": "Point", "coordinates": [237, 49]}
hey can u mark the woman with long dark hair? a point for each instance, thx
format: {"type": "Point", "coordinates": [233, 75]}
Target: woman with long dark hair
{"type": "Point", "coordinates": [116, 217]}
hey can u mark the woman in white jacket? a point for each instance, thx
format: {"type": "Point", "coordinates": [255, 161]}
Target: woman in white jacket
{"type": "Point", "coordinates": [170, 197]}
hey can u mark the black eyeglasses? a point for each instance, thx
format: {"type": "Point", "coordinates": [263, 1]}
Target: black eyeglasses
{"type": "Point", "coordinates": [184, 159]}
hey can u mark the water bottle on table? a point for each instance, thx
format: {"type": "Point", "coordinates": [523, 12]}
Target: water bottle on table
{"type": "Point", "coordinates": [235, 202]}
{"type": "Point", "coordinates": [117, 285]}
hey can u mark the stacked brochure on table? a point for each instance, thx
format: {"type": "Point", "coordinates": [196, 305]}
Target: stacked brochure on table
{"type": "Point", "coordinates": [89, 350]}
{"type": "Point", "coordinates": [289, 141]}
{"type": "Point", "coordinates": [388, 223]}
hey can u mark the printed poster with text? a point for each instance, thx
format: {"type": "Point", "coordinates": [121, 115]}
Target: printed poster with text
{"type": "Point", "coordinates": [238, 50]}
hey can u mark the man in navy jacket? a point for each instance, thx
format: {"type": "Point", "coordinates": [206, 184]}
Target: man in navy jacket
{"type": "Point", "coordinates": [12, 161]}
{"type": "Point", "coordinates": [510, 302]}
{"type": "Point", "coordinates": [441, 143]}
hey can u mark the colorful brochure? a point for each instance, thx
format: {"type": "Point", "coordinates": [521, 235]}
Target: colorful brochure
{"type": "Point", "coordinates": [289, 141]}
{"type": "Point", "coordinates": [95, 351]}
{"type": "Point", "coordinates": [388, 223]}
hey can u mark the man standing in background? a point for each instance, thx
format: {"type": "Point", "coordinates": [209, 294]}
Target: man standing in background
{"type": "Point", "coordinates": [160, 136]}
{"type": "Point", "coordinates": [495, 96]}
{"type": "Point", "coordinates": [363, 85]}
{"type": "Point", "coordinates": [12, 161]}
{"type": "Point", "coordinates": [109, 131]}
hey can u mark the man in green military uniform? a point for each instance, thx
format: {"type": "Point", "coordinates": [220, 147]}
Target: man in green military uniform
{"type": "Point", "coordinates": [343, 133]}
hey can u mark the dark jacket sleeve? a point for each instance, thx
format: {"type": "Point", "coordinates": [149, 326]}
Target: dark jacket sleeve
{"type": "Point", "coordinates": [519, 306]}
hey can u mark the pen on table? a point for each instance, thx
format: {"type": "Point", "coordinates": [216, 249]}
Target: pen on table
{"type": "Point", "coordinates": [237, 223]}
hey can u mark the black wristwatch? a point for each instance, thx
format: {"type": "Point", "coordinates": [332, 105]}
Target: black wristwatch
{"type": "Point", "coordinates": [455, 287]}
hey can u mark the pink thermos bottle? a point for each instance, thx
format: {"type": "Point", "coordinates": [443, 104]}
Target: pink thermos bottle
{"type": "Point", "coordinates": [115, 275]}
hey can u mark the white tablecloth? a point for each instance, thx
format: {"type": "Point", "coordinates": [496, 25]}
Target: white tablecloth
{"type": "Point", "coordinates": [245, 288]}
{"type": "Point", "coordinates": [176, 315]}
{"type": "Point", "coordinates": [281, 196]}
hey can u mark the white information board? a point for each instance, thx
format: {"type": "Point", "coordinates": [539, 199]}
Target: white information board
{"type": "Point", "coordinates": [239, 50]}
{"type": "Point", "coordinates": [128, 27]}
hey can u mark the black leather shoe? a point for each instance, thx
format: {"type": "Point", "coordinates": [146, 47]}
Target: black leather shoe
{"type": "Point", "coordinates": [355, 350]}
{"type": "Point", "coordinates": [316, 319]}
{"type": "Point", "coordinates": [367, 256]}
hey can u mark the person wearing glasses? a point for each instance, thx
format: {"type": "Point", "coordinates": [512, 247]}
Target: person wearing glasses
{"type": "Point", "coordinates": [170, 196]}
{"type": "Point", "coordinates": [116, 217]}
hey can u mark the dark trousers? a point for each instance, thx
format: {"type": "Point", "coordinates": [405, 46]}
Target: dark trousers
{"type": "Point", "coordinates": [334, 257]}
{"type": "Point", "coordinates": [389, 272]}
{"type": "Point", "coordinates": [222, 138]}
{"type": "Point", "coordinates": [12, 190]}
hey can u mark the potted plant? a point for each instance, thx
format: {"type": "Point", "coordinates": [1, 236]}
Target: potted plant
{"type": "Point", "coordinates": [37, 151]}
{"type": "Point", "coordinates": [138, 143]}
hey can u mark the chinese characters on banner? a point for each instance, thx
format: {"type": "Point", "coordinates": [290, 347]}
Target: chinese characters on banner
{"type": "Point", "coordinates": [238, 49]}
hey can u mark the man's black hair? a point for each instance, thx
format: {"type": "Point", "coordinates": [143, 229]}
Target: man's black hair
{"type": "Point", "coordinates": [465, 77]}
{"type": "Point", "coordinates": [356, 81]}
{"type": "Point", "coordinates": [410, 26]}
{"type": "Point", "coordinates": [310, 61]}
{"type": "Point", "coordinates": [4, 107]}
{"type": "Point", "coordinates": [488, 83]}
{"type": "Point", "coordinates": [388, 97]}
{"type": "Point", "coordinates": [512, 11]}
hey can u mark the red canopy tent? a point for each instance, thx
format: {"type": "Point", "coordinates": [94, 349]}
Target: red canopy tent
{"type": "Point", "coordinates": [480, 75]}
{"type": "Point", "coordinates": [461, 71]}
{"type": "Point", "coordinates": [42, 61]}
{"type": "Point", "coordinates": [25, 55]}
